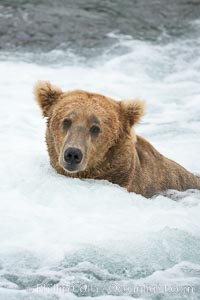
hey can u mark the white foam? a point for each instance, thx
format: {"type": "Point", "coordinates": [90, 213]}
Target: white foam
{"type": "Point", "coordinates": [50, 223]}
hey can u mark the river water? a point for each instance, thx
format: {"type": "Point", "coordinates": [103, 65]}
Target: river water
{"type": "Point", "coordinates": [63, 238]}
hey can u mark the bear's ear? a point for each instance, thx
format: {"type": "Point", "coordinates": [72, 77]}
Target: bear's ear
{"type": "Point", "coordinates": [46, 95]}
{"type": "Point", "coordinates": [132, 110]}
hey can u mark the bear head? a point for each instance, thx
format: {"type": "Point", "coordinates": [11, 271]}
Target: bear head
{"type": "Point", "coordinates": [82, 127]}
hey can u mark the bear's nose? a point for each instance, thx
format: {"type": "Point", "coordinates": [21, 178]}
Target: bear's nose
{"type": "Point", "coordinates": [73, 155]}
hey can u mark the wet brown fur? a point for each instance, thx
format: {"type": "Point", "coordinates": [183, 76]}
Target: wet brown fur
{"type": "Point", "coordinates": [118, 155]}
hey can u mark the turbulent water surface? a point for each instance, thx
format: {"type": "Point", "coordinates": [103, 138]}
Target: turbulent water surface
{"type": "Point", "coordinates": [63, 238]}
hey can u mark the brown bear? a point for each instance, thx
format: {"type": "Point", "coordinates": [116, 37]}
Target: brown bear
{"type": "Point", "coordinates": [90, 136]}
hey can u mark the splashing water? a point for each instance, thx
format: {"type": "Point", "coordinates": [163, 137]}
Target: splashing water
{"type": "Point", "coordinates": [89, 237]}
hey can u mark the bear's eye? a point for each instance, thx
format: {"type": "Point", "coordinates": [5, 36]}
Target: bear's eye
{"type": "Point", "coordinates": [67, 123]}
{"type": "Point", "coordinates": [94, 130]}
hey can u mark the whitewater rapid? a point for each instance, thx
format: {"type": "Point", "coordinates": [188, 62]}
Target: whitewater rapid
{"type": "Point", "coordinates": [65, 232]}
